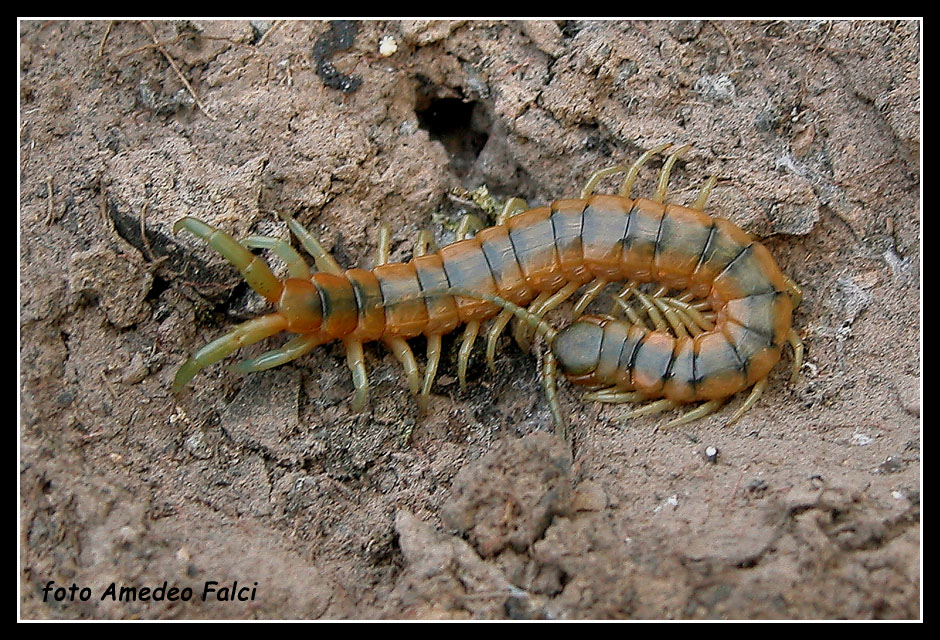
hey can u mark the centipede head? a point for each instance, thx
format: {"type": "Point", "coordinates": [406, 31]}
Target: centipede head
{"type": "Point", "coordinates": [577, 347]}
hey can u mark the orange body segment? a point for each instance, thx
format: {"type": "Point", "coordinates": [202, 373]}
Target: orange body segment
{"type": "Point", "coordinates": [467, 269]}
{"type": "Point", "coordinates": [533, 240]}
{"type": "Point", "coordinates": [639, 243]}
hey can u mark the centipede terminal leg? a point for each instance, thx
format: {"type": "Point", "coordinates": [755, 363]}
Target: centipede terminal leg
{"type": "Point", "coordinates": [293, 349]}
{"type": "Point", "coordinates": [244, 334]}
{"type": "Point", "coordinates": [254, 270]}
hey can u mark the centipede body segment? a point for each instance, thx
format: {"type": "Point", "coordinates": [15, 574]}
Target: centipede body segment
{"type": "Point", "coordinates": [715, 325]}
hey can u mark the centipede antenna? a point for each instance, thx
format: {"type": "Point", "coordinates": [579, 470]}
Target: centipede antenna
{"type": "Point", "coordinates": [541, 327]}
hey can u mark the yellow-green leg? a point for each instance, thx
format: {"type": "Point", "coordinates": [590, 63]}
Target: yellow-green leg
{"type": "Point", "coordinates": [430, 369]}
{"type": "Point", "coordinates": [794, 339]}
{"type": "Point", "coordinates": [296, 266]}
{"type": "Point", "coordinates": [292, 350]}
{"type": "Point", "coordinates": [699, 204]}
{"type": "Point", "coordinates": [589, 294]}
{"type": "Point", "coordinates": [242, 335]}
{"type": "Point", "coordinates": [321, 257]}
{"type": "Point", "coordinates": [614, 395]}
{"type": "Point", "coordinates": [549, 369]}
{"type": "Point", "coordinates": [544, 306]}
{"type": "Point", "coordinates": [471, 330]}
{"type": "Point", "coordinates": [492, 335]}
{"type": "Point", "coordinates": [662, 184]}
{"type": "Point", "coordinates": [355, 360]}
{"type": "Point", "coordinates": [254, 270]}
{"type": "Point", "coordinates": [651, 408]}
{"type": "Point", "coordinates": [701, 411]}
{"type": "Point", "coordinates": [749, 402]}
{"type": "Point", "coordinates": [634, 171]}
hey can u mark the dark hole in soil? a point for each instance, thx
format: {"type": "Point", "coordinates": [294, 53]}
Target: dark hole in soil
{"type": "Point", "coordinates": [461, 126]}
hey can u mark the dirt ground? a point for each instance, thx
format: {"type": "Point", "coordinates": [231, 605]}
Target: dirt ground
{"type": "Point", "coordinates": [811, 508]}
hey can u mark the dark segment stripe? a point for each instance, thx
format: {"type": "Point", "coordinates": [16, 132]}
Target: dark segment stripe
{"type": "Point", "coordinates": [534, 245]}
{"type": "Point", "coordinates": [567, 227]}
{"type": "Point", "coordinates": [727, 360]}
{"type": "Point", "coordinates": [722, 247]}
{"type": "Point", "coordinates": [466, 268]}
{"type": "Point", "coordinates": [747, 275]}
{"type": "Point", "coordinates": [500, 258]}
{"type": "Point", "coordinates": [368, 298]}
{"type": "Point", "coordinates": [338, 301]}
{"type": "Point", "coordinates": [708, 243]}
{"type": "Point", "coordinates": [603, 230]}
{"type": "Point", "coordinates": [432, 280]}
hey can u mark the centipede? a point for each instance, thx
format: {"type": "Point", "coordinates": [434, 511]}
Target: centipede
{"type": "Point", "coordinates": [702, 312]}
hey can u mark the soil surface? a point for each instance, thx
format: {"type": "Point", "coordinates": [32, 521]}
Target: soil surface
{"type": "Point", "coordinates": [809, 509]}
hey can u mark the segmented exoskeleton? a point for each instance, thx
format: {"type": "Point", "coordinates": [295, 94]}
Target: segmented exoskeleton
{"type": "Point", "coordinates": [721, 335]}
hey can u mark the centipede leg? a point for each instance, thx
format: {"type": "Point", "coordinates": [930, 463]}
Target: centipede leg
{"type": "Point", "coordinates": [590, 293]}
{"type": "Point", "coordinates": [794, 291]}
{"type": "Point", "coordinates": [699, 204]}
{"type": "Point", "coordinates": [383, 245]}
{"type": "Point", "coordinates": [292, 350]}
{"type": "Point", "coordinates": [544, 306]}
{"type": "Point", "coordinates": [463, 356]}
{"type": "Point", "coordinates": [751, 400]}
{"type": "Point", "coordinates": [614, 395]}
{"type": "Point", "coordinates": [521, 329]}
{"type": "Point", "coordinates": [511, 207]}
{"type": "Point", "coordinates": [663, 183]}
{"type": "Point", "coordinates": [492, 335]}
{"type": "Point", "coordinates": [631, 313]}
{"type": "Point", "coordinates": [699, 412]}
{"type": "Point", "coordinates": [355, 360]}
{"type": "Point", "coordinates": [254, 270]}
{"type": "Point", "coordinates": [687, 321]}
{"type": "Point", "coordinates": [468, 224]}
{"type": "Point", "coordinates": [696, 319]}
{"type": "Point", "coordinates": [244, 334]}
{"type": "Point", "coordinates": [321, 257]}
{"type": "Point", "coordinates": [634, 171]}
{"type": "Point", "coordinates": [406, 357]}
{"type": "Point", "coordinates": [652, 311]}
{"type": "Point", "coordinates": [423, 244]}
{"type": "Point", "coordinates": [549, 369]}
{"type": "Point", "coordinates": [430, 371]}
{"type": "Point", "coordinates": [794, 339]}
{"type": "Point", "coordinates": [597, 176]}
{"type": "Point", "coordinates": [296, 266]}
{"type": "Point", "coordinates": [651, 408]}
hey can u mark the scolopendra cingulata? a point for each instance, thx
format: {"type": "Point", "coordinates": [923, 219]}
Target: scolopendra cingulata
{"type": "Point", "coordinates": [721, 335]}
